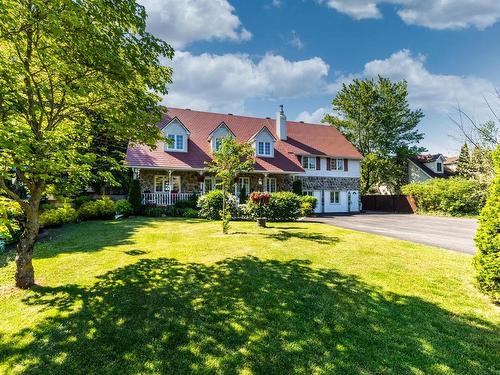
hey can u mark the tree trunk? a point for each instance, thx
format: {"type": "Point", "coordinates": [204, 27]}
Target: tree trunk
{"type": "Point", "coordinates": [25, 273]}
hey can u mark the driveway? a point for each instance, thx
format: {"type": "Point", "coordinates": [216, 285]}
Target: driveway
{"type": "Point", "coordinates": [447, 232]}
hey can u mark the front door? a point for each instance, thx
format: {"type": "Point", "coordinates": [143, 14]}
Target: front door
{"type": "Point", "coordinates": [353, 201]}
{"type": "Point", "coordinates": [319, 205]}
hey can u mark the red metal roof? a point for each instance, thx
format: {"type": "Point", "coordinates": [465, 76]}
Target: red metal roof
{"type": "Point", "coordinates": [303, 139]}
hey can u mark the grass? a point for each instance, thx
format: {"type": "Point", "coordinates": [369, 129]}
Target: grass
{"type": "Point", "coordinates": [148, 296]}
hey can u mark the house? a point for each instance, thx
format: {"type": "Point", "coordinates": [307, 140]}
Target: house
{"type": "Point", "coordinates": [424, 167]}
{"type": "Point", "coordinates": [326, 163]}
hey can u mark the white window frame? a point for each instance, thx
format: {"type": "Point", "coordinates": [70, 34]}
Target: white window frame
{"type": "Point", "coordinates": [335, 197]}
{"type": "Point", "coordinates": [242, 181]}
{"type": "Point", "coordinates": [213, 183]}
{"type": "Point", "coordinates": [308, 165]}
{"type": "Point", "coordinates": [439, 164]}
{"type": "Point", "coordinates": [166, 183]}
{"type": "Point", "coordinates": [308, 192]}
{"type": "Point", "coordinates": [265, 145]}
{"type": "Point", "coordinates": [270, 181]}
{"type": "Point", "coordinates": [173, 146]}
{"type": "Point", "coordinates": [217, 143]}
{"type": "Point", "coordinates": [337, 164]}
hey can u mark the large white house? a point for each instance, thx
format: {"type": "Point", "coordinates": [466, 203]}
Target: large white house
{"type": "Point", "coordinates": [318, 155]}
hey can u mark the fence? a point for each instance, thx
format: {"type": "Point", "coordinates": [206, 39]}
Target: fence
{"type": "Point", "coordinates": [389, 203]}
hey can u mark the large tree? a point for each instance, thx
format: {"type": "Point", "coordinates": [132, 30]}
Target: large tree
{"type": "Point", "coordinates": [62, 62]}
{"type": "Point", "coordinates": [376, 117]}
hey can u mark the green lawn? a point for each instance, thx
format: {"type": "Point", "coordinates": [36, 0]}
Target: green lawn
{"type": "Point", "coordinates": [147, 296]}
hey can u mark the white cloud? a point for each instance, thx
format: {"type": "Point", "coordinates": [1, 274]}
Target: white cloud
{"type": "Point", "coordinates": [435, 14]}
{"type": "Point", "coordinates": [314, 117]}
{"type": "Point", "coordinates": [225, 82]}
{"type": "Point", "coordinates": [295, 41]}
{"type": "Point", "coordinates": [180, 22]}
{"type": "Point", "coordinates": [276, 3]}
{"type": "Point", "coordinates": [440, 93]}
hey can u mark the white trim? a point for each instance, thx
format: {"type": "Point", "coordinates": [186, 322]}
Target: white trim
{"type": "Point", "coordinates": [180, 122]}
{"type": "Point", "coordinates": [222, 124]}
{"type": "Point", "coordinates": [264, 128]}
{"type": "Point", "coordinates": [416, 165]}
{"type": "Point", "coordinates": [206, 169]}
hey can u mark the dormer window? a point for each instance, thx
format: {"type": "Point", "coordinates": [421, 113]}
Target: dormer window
{"type": "Point", "coordinates": [217, 144]}
{"type": "Point", "coordinates": [264, 148]}
{"type": "Point", "coordinates": [176, 142]}
{"type": "Point", "coordinates": [439, 167]}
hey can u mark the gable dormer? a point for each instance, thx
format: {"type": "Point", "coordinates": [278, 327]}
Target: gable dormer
{"type": "Point", "coordinates": [436, 164]}
{"type": "Point", "coordinates": [178, 135]}
{"type": "Point", "coordinates": [218, 134]}
{"type": "Point", "coordinates": [263, 143]}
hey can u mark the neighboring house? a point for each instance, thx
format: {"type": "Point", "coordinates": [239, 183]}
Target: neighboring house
{"type": "Point", "coordinates": [450, 163]}
{"type": "Point", "coordinates": [326, 163]}
{"type": "Point", "coordinates": [424, 167]}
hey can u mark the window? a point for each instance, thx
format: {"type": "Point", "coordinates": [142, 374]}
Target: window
{"type": "Point", "coordinates": [308, 192]}
{"type": "Point", "coordinates": [264, 148]}
{"type": "Point", "coordinates": [176, 142]}
{"type": "Point", "coordinates": [337, 164]}
{"type": "Point", "coordinates": [439, 167]}
{"type": "Point", "coordinates": [335, 197]}
{"type": "Point", "coordinates": [218, 143]}
{"type": "Point", "coordinates": [179, 142]}
{"type": "Point", "coordinates": [271, 185]}
{"type": "Point", "coordinates": [162, 184]}
{"type": "Point", "coordinates": [243, 182]}
{"type": "Point", "coordinates": [308, 162]}
{"type": "Point", "coordinates": [211, 183]}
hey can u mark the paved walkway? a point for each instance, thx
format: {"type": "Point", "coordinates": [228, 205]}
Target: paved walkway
{"type": "Point", "coordinates": [447, 232]}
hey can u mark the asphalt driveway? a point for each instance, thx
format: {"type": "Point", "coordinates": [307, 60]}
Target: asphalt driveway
{"type": "Point", "coordinates": [447, 232]}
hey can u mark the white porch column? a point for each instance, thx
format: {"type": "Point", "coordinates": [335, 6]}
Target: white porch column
{"type": "Point", "coordinates": [170, 181]}
{"type": "Point", "coordinates": [265, 183]}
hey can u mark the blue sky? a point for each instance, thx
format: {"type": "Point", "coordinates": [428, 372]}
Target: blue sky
{"type": "Point", "coordinates": [247, 57]}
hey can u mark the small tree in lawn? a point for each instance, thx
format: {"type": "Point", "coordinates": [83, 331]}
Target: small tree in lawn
{"type": "Point", "coordinates": [229, 161]}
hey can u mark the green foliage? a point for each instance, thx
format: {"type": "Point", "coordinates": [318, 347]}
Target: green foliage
{"type": "Point", "coordinates": [376, 117]}
{"type": "Point", "coordinates": [190, 213]}
{"type": "Point", "coordinates": [226, 218]}
{"type": "Point", "coordinates": [243, 195]}
{"type": "Point", "coordinates": [464, 162]}
{"type": "Point", "coordinates": [156, 211]}
{"type": "Point", "coordinates": [100, 209]}
{"type": "Point", "coordinates": [487, 259]}
{"type": "Point", "coordinates": [11, 218]}
{"type": "Point", "coordinates": [210, 205]}
{"type": "Point", "coordinates": [454, 196]}
{"type": "Point", "coordinates": [123, 207]}
{"type": "Point", "coordinates": [307, 205]}
{"type": "Point", "coordinates": [185, 204]}
{"type": "Point", "coordinates": [282, 206]}
{"type": "Point", "coordinates": [297, 186]}
{"type": "Point", "coordinates": [58, 216]}
{"type": "Point", "coordinates": [230, 160]}
{"type": "Point", "coordinates": [134, 195]}
{"type": "Point", "coordinates": [81, 199]}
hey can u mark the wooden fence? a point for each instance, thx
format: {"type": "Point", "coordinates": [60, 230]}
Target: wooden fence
{"type": "Point", "coordinates": [389, 203]}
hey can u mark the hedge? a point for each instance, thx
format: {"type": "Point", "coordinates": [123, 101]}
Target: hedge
{"type": "Point", "coordinates": [58, 216]}
{"type": "Point", "coordinates": [210, 205]}
{"type": "Point", "coordinates": [100, 209]}
{"type": "Point", "coordinates": [487, 259]}
{"type": "Point", "coordinates": [283, 206]}
{"type": "Point", "coordinates": [454, 196]}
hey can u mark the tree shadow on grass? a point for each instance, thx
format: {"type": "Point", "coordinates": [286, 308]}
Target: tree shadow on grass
{"type": "Point", "coordinates": [89, 236]}
{"type": "Point", "coordinates": [285, 235]}
{"type": "Point", "coordinates": [262, 316]}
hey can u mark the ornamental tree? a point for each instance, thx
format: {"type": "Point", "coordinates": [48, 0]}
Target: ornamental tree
{"type": "Point", "coordinates": [229, 161]}
{"type": "Point", "coordinates": [62, 63]}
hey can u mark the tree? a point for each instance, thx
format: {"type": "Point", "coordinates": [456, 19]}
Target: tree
{"type": "Point", "coordinates": [229, 161]}
{"type": "Point", "coordinates": [464, 162]}
{"type": "Point", "coordinates": [61, 63]}
{"type": "Point", "coordinates": [375, 116]}
{"type": "Point", "coordinates": [487, 259]}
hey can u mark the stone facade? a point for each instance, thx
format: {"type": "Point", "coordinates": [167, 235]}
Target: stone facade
{"type": "Point", "coordinates": [190, 181]}
{"type": "Point", "coordinates": [329, 183]}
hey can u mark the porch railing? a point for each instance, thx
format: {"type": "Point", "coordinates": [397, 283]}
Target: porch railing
{"type": "Point", "coordinates": [164, 199]}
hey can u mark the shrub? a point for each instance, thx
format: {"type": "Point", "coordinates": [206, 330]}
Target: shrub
{"type": "Point", "coordinates": [134, 195]}
{"type": "Point", "coordinates": [283, 206]}
{"type": "Point", "coordinates": [297, 187]}
{"type": "Point", "coordinates": [243, 195]}
{"type": "Point", "coordinates": [487, 259]}
{"type": "Point", "coordinates": [310, 199]}
{"type": "Point", "coordinates": [455, 196]}
{"type": "Point", "coordinates": [11, 217]}
{"type": "Point", "coordinates": [100, 209]}
{"type": "Point", "coordinates": [123, 207]}
{"type": "Point", "coordinates": [190, 213]}
{"type": "Point", "coordinates": [306, 208]}
{"type": "Point", "coordinates": [81, 199]}
{"type": "Point", "coordinates": [184, 204]}
{"type": "Point", "coordinates": [210, 205]}
{"type": "Point", "coordinates": [156, 211]}
{"type": "Point", "coordinates": [58, 216]}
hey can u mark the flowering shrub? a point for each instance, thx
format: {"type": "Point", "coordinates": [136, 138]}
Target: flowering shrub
{"type": "Point", "coordinates": [282, 206]}
{"type": "Point", "coordinates": [260, 198]}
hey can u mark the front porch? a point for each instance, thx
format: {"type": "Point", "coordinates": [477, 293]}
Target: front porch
{"type": "Point", "coordinates": [165, 187]}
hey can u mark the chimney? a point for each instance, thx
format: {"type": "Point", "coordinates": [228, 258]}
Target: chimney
{"type": "Point", "coordinates": [281, 124]}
